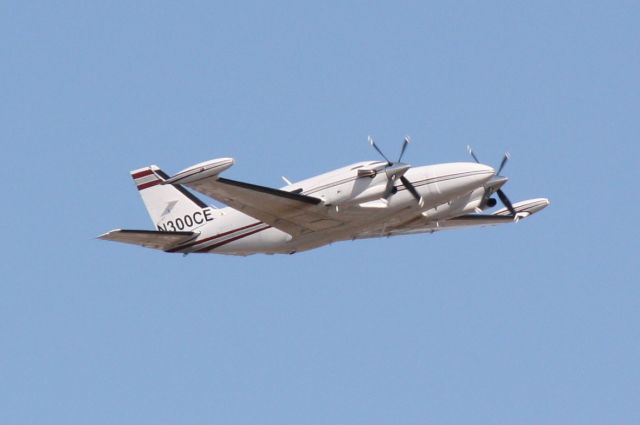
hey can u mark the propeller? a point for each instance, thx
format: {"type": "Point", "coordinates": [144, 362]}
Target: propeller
{"type": "Point", "coordinates": [396, 170]}
{"type": "Point", "coordinates": [503, 197]}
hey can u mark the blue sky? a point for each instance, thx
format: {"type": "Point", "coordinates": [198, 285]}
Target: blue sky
{"type": "Point", "coordinates": [532, 323]}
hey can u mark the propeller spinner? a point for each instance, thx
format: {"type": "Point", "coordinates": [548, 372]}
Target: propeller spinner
{"type": "Point", "coordinates": [396, 170]}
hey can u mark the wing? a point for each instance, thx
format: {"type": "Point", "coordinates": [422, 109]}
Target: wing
{"type": "Point", "coordinates": [421, 224]}
{"type": "Point", "coordinates": [290, 212]}
{"type": "Point", "coordinates": [149, 238]}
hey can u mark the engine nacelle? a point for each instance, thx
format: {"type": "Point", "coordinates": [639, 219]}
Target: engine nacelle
{"type": "Point", "coordinates": [201, 171]}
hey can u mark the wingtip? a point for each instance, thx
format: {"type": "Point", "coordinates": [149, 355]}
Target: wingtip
{"type": "Point", "coordinates": [105, 236]}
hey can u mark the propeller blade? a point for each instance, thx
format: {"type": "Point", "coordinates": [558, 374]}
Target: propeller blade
{"type": "Point", "coordinates": [372, 143]}
{"type": "Point", "coordinates": [473, 154]}
{"type": "Point", "coordinates": [389, 189]}
{"type": "Point", "coordinates": [505, 158]}
{"type": "Point", "coordinates": [506, 201]}
{"type": "Point", "coordinates": [411, 188]}
{"type": "Point", "coordinates": [406, 142]}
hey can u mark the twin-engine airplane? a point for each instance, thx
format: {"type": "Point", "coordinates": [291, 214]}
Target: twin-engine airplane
{"type": "Point", "coordinates": [364, 200]}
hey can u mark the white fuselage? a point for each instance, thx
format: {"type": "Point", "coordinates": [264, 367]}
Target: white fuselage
{"type": "Point", "coordinates": [361, 203]}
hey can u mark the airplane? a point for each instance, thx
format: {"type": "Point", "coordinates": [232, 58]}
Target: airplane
{"type": "Point", "coordinates": [367, 199]}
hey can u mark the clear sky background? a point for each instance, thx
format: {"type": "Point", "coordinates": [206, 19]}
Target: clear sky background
{"type": "Point", "coordinates": [530, 323]}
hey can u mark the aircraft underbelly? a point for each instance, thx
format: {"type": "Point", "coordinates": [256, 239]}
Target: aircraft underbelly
{"type": "Point", "coordinates": [266, 241]}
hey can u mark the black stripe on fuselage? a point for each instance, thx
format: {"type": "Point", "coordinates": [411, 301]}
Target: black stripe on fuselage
{"type": "Point", "coordinates": [332, 184]}
{"type": "Point", "coordinates": [439, 179]}
{"type": "Point", "coordinates": [233, 239]}
{"type": "Point", "coordinates": [210, 238]}
{"type": "Point", "coordinates": [399, 187]}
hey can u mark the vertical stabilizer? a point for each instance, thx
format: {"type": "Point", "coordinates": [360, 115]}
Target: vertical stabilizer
{"type": "Point", "coordinates": [171, 207]}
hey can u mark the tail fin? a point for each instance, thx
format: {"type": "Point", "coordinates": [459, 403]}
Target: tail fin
{"type": "Point", "coordinates": [171, 207]}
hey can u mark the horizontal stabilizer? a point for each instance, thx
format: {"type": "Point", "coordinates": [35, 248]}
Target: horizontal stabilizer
{"type": "Point", "coordinates": [525, 208]}
{"type": "Point", "coordinates": [149, 238]}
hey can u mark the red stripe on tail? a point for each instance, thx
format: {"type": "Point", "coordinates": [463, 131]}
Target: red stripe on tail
{"type": "Point", "coordinates": [142, 174]}
{"type": "Point", "coordinates": [150, 184]}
